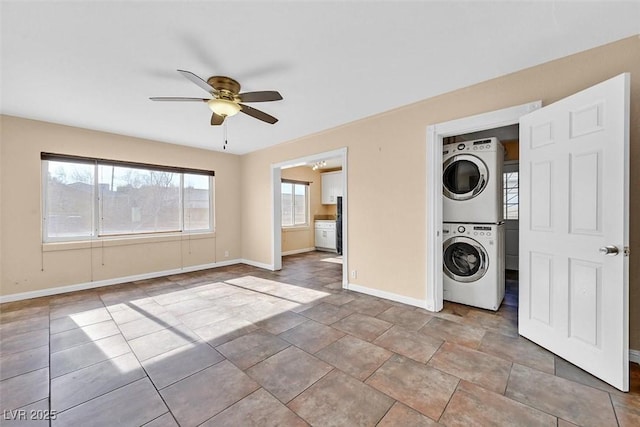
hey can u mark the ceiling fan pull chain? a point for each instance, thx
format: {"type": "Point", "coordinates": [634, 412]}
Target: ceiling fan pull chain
{"type": "Point", "coordinates": [224, 147]}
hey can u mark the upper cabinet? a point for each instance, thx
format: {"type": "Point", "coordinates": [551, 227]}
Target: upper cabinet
{"type": "Point", "coordinates": [331, 187]}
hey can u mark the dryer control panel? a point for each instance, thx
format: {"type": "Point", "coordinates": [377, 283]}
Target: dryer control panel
{"type": "Point", "coordinates": [485, 144]}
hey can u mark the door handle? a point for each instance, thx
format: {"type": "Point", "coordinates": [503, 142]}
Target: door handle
{"type": "Point", "coordinates": [609, 250]}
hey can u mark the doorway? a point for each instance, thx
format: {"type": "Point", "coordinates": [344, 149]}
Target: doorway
{"type": "Point", "coordinates": [337, 158]}
{"type": "Point", "coordinates": [574, 162]}
{"type": "Point", "coordinates": [476, 126]}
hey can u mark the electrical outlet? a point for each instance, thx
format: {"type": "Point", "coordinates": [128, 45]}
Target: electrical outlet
{"type": "Point", "coordinates": [226, 254]}
{"type": "Point", "coordinates": [354, 274]}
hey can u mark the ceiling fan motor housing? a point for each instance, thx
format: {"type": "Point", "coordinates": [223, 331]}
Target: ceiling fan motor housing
{"type": "Point", "coordinates": [225, 85]}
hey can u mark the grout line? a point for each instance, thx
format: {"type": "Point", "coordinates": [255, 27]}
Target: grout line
{"type": "Point", "coordinates": [84, 343]}
{"type": "Point", "coordinates": [30, 371]}
{"type": "Point", "coordinates": [333, 368]}
{"type": "Point", "coordinates": [449, 401]}
{"type": "Point", "coordinates": [506, 385]}
{"type": "Point", "coordinates": [389, 410]}
{"type": "Point", "coordinates": [613, 408]}
{"type": "Point", "coordinates": [160, 416]}
{"type": "Point", "coordinates": [100, 395]}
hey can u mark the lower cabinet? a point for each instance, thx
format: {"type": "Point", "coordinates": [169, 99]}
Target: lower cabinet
{"type": "Point", "coordinates": [325, 236]}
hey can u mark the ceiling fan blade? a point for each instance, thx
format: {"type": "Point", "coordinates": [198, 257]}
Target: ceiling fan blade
{"type": "Point", "coordinates": [197, 80]}
{"type": "Point", "coordinates": [260, 115]}
{"type": "Point", "coordinates": [216, 119]}
{"type": "Point", "coordinates": [176, 98]}
{"type": "Point", "coordinates": [266, 95]}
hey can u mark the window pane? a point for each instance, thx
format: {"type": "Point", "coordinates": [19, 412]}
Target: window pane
{"type": "Point", "coordinates": [197, 202]}
{"type": "Point", "coordinates": [287, 204]}
{"type": "Point", "coordinates": [511, 191]}
{"type": "Point", "coordinates": [300, 204]}
{"type": "Point", "coordinates": [511, 179]}
{"type": "Point", "coordinates": [69, 199]}
{"type": "Point", "coordinates": [138, 200]}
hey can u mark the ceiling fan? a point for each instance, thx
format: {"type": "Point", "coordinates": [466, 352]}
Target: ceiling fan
{"type": "Point", "coordinates": [227, 99]}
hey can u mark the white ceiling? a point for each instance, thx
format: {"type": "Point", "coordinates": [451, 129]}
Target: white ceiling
{"type": "Point", "coordinates": [94, 64]}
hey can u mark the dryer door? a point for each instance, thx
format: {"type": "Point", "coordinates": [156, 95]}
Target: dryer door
{"type": "Point", "coordinates": [464, 176]}
{"type": "Point", "coordinates": [465, 260]}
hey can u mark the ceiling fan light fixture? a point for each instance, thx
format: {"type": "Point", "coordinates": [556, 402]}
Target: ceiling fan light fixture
{"type": "Point", "coordinates": [223, 107]}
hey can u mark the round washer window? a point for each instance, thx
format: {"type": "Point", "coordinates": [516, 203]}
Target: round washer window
{"type": "Point", "coordinates": [464, 259]}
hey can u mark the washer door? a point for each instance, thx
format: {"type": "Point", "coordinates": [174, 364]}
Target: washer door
{"type": "Point", "coordinates": [465, 260]}
{"type": "Point", "coordinates": [464, 176]}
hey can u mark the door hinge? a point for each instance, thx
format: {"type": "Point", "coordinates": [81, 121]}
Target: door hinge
{"type": "Point", "coordinates": [626, 251]}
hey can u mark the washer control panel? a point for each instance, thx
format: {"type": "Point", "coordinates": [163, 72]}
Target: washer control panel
{"type": "Point", "coordinates": [468, 230]}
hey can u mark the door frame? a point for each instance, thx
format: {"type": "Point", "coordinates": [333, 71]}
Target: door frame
{"type": "Point", "coordinates": [276, 206]}
{"type": "Point", "coordinates": [435, 136]}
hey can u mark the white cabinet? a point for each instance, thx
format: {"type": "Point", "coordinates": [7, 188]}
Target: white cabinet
{"type": "Point", "coordinates": [325, 235]}
{"type": "Point", "coordinates": [331, 187]}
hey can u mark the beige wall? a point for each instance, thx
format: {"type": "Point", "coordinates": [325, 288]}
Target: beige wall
{"type": "Point", "coordinates": [28, 265]}
{"type": "Point", "coordinates": [387, 176]}
{"type": "Point", "coordinates": [299, 238]}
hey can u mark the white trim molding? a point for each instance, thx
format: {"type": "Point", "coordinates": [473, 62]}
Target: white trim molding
{"type": "Point", "coordinates": [115, 281]}
{"type": "Point", "coordinates": [387, 295]}
{"type": "Point", "coordinates": [298, 251]}
{"type": "Point", "coordinates": [634, 356]}
{"type": "Point", "coordinates": [258, 264]}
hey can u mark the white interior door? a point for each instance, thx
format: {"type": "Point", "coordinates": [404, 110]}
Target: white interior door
{"type": "Point", "coordinates": [574, 204]}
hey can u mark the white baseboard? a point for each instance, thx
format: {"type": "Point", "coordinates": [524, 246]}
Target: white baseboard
{"type": "Point", "coordinates": [387, 295]}
{"type": "Point", "coordinates": [634, 356]}
{"type": "Point", "coordinates": [114, 281]}
{"type": "Point", "coordinates": [298, 251]}
{"type": "Point", "coordinates": [257, 264]}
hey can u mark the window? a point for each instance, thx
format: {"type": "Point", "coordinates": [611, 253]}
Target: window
{"type": "Point", "coordinates": [295, 203]}
{"type": "Point", "coordinates": [510, 181]}
{"type": "Point", "coordinates": [86, 198]}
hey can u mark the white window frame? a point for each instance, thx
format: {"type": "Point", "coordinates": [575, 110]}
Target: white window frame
{"type": "Point", "coordinates": [97, 211]}
{"type": "Point", "coordinates": [293, 207]}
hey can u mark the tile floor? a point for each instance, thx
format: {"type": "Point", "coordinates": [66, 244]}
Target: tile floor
{"type": "Point", "coordinates": [241, 346]}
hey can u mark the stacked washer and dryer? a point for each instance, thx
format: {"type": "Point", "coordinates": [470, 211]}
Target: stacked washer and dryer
{"type": "Point", "coordinates": [473, 229]}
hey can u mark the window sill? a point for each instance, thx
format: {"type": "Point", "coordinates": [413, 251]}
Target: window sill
{"type": "Point", "coordinates": [104, 242]}
{"type": "Point", "coordinates": [295, 228]}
